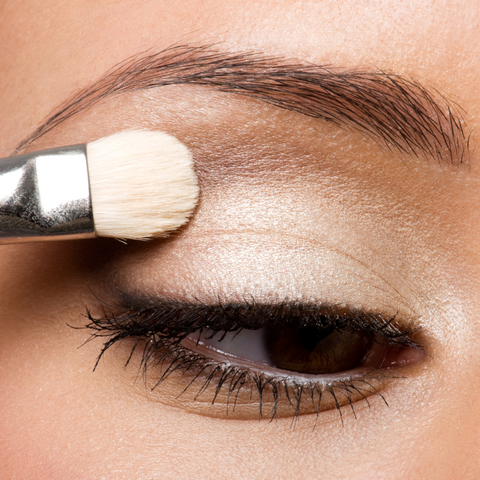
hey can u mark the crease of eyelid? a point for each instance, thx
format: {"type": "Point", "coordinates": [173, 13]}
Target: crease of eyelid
{"type": "Point", "coordinates": [302, 240]}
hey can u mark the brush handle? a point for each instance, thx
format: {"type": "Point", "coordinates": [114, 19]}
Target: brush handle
{"type": "Point", "coordinates": [45, 196]}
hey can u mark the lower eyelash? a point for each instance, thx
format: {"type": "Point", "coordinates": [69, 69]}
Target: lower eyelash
{"type": "Point", "coordinates": [206, 373]}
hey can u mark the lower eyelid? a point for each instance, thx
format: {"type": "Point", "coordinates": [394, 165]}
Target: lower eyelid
{"type": "Point", "coordinates": [219, 389]}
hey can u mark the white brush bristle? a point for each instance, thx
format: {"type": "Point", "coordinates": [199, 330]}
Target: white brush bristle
{"type": "Point", "coordinates": [142, 184]}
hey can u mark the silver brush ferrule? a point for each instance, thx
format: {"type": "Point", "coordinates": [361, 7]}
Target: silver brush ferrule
{"type": "Point", "coordinates": [45, 196]}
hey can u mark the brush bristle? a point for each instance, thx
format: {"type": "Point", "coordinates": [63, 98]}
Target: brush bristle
{"type": "Point", "coordinates": [142, 184]}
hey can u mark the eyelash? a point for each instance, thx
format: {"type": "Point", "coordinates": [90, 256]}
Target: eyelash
{"type": "Point", "coordinates": [162, 327]}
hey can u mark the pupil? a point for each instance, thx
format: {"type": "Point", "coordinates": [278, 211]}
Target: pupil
{"type": "Point", "coordinates": [314, 349]}
{"type": "Point", "coordinates": [311, 335]}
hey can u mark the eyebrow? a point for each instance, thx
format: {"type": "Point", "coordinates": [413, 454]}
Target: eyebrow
{"type": "Point", "coordinates": [397, 112]}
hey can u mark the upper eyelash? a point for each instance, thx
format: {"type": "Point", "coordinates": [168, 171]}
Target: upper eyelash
{"type": "Point", "coordinates": [180, 319]}
{"type": "Point", "coordinates": [167, 323]}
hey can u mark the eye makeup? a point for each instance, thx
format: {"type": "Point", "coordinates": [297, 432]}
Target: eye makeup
{"type": "Point", "coordinates": [319, 219]}
{"type": "Point", "coordinates": [261, 360]}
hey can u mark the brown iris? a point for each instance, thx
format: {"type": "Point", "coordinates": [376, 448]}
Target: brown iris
{"type": "Point", "coordinates": [315, 350]}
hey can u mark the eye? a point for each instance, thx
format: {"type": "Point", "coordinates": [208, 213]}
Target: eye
{"type": "Point", "coordinates": [278, 360]}
{"type": "Point", "coordinates": [301, 349]}
{"type": "Point", "coordinates": [316, 350]}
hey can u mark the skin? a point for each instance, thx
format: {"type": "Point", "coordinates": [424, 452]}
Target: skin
{"type": "Point", "coordinates": [284, 197]}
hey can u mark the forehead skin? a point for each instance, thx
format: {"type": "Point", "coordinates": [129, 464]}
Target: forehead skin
{"type": "Point", "coordinates": [91, 427]}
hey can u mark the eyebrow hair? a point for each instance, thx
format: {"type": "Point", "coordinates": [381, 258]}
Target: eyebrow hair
{"type": "Point", "coordinates": [397, 112]}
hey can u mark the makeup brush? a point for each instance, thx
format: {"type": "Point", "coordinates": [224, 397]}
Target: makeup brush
{"type": "Point", "coordinates": [136, 184]}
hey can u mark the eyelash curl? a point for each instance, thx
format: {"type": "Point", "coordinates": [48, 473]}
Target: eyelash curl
{"type": "Point", "coordinates": [158, 331]}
